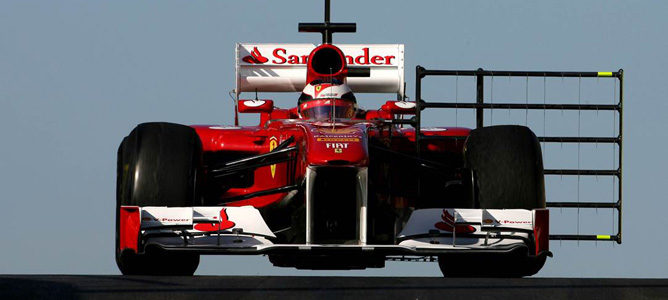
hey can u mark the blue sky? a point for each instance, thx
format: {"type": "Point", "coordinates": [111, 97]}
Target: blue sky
{"type": "Point", "coordinates": [77, 76]}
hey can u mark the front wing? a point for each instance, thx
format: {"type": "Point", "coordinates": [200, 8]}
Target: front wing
{"type": "Point", "coordinates": [241, 230]}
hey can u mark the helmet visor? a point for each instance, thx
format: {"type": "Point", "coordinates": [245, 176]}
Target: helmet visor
{"type": "Point", "coordinates": [326, 109]}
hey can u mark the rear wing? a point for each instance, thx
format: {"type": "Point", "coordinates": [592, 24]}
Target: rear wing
{"type": "Point", "coordinates": [482, 104]}
{"type": "Point", "coordinates": [282, 67]}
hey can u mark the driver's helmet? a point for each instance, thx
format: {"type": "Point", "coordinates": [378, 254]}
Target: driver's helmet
{"type": "Point", "coordinates": [319, 98]}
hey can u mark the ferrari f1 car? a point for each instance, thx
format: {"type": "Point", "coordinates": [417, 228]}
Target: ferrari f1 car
{"type": "Point", "coordinates": [328, 185]}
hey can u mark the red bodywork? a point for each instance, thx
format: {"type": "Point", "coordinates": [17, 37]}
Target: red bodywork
{"type": "Point", "coordinates": [322, 143]}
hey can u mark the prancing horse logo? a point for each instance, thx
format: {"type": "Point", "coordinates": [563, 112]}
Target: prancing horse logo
{"type": "Point", "coordinates": [273, 143]}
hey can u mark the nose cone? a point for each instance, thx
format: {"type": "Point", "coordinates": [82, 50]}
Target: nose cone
{"type": "Point", "coordinates": [342, 144]}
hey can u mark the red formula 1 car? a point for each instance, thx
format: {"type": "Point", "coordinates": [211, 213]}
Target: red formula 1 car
{"type": "Point", "coordinates": [328, 185]}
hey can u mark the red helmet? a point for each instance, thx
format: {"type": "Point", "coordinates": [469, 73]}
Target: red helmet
{"type": "Point", "coordinates": [323, 100]}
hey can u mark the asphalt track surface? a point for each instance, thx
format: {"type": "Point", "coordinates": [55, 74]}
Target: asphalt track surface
{"type": "Point", "coordinates": [387, 288]}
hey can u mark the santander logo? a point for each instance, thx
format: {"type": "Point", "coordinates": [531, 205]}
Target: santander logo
{"type": "Point", "coordinates": [255, 57]}
{"type": "Point", "coordinates": [281, 56]}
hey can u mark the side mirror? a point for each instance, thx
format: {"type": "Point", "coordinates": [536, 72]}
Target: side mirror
{"type": "Point", "coordinates": [399, 107]}
{"type": "Point", "coordinates": [256, 106]}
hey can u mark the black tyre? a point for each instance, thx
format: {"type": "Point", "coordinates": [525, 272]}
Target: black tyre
{"type": "Point", "coordinates": [506, 166]}
{"type": "Point", "coordinates": [158, 165]}
{"type": "Point", "coordinates": [515, 263]}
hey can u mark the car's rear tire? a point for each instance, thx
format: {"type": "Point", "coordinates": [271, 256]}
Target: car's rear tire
{"type": "Point", "coordinates": [507, 169]}
{"type": "Point", "coordinates": [158, 165]}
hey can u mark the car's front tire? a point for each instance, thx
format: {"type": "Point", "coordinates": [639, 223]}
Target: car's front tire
{"type": "Point", "coordinates": [158, 165]}
{"type": "Point", "coordinates": [507, 170]}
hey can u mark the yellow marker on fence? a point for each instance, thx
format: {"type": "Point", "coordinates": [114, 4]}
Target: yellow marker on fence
{"type": "Point", "coordinates": [604, 74]}
{"type": "Point", "coordinates": [602, 237]}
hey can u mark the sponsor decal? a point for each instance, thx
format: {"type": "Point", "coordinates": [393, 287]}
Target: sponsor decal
{"type": "Point", "coordinates": [163, 220]}
{"type": "Point", "coordinates": [255, 57]}
{"type": "Point", "coordinates": [336, 145]}
{"type": "Point", "coordinates": [174, 220]}
{"type": "Point", "coordinates": [340, 136]}
{"type": "Point", "coordinates": [338, 139]}
{"type": "Point", "coordinates": [514, 222]}
{"type": "Point", "coordinates": [348, 130]}
{"type": "Point", "coordinates": [273, 143]}
{"type": "Point", "coordinates": [281, 56]}
{"type": "Point", "coordinates": [448, 224]}
{"type": "Point", "coordinates": [224, 224]}
{"type": "Point", "coordinates": [487, 221]}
